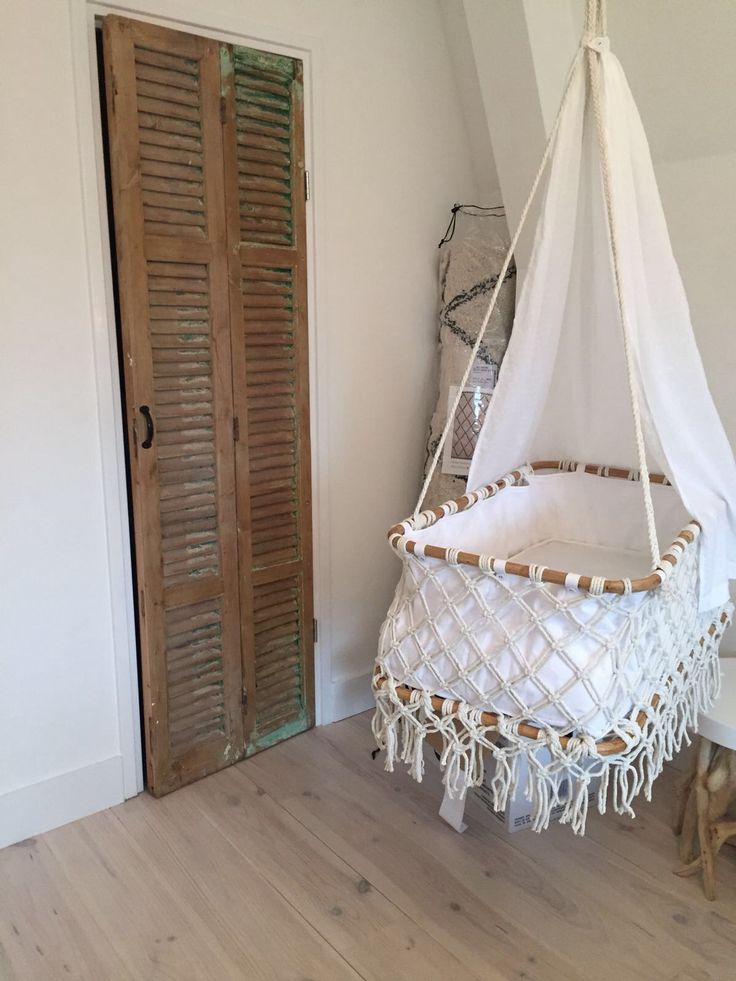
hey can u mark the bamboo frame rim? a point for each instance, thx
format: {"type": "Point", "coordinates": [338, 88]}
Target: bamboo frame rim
{"type": "Point", "coordinates": [400, 543]}
{"type": "Point", "coordinates": [607, 746]}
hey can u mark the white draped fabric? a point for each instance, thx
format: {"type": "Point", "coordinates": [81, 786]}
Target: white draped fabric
{"type": "Point", "coordinates": [563, 391]}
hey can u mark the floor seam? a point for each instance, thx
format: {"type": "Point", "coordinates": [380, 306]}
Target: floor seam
{"type": "Point", "coordinates": [273, 885]}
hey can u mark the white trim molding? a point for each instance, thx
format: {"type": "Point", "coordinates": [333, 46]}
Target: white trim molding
{"type": "Point", "coordinates": [39, 807]}
{"type": "Point", "coordinates": [350, 696]}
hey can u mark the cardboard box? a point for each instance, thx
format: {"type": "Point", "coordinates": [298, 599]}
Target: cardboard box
{"type": "Point", "coordinates": [518, 812]}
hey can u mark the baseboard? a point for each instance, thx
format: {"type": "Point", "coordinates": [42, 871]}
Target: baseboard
{"type": "Point", "coordinates": [39, 807]}
{"type": "Point", "coordinates": [350, 696]}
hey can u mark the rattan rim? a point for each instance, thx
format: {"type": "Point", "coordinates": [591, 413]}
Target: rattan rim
{"type": "Point", "coordinates": [401, 543]}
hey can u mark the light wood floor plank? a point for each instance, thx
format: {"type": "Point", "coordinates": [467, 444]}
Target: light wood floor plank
{"type": "Point", "coordinates": [141, 913]}
{"type": "Point", "coordinates": [536, 869]}
{"type": "Point", "coordinates": [44, 932]}
{"type": "Point", "coordinates": [310, 863]}
{"type": "Point", "coordinates": [603, 882]}
{"type": "Point", "coordinates": [371, 824]}
{"type": "Point", "coordinates": [273, 939]}
{"type": "Point", "coordinates": [335, 896]}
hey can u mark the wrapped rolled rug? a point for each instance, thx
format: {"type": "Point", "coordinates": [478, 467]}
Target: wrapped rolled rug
{"type": "Point", "coordinates": [468, 271]}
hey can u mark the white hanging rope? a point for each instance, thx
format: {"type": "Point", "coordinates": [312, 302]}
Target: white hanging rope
{"type": "Point", "coordinates": [596, 17]}
{"type": "Point", "coordinates": [594, 47]}
{"type": "Point", "coordinates": [576, 63]}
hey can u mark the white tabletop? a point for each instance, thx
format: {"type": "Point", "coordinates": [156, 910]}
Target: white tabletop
{"type": "Point", "coordinates": [719, 724]}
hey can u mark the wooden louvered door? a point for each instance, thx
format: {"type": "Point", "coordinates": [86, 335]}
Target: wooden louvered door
{"type": "Point", "coordinates": [264, 187]}
{"type": "Point", "coordinates": [206, 159]}
{"type": "Point", "coordinates": [167, 180]}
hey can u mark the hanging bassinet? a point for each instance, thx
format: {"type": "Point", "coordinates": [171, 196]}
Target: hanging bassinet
{"type": "Point", "coordinates": [536, 616]}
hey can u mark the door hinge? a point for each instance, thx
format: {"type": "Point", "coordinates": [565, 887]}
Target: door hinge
{"type": "Point", "coordinates": [223, 110]}
{"type": "Point", "coordinates": [236, 429]}
{"type": "Point", "coordinates": [315, 631]}
{"type": "Point", "coordinates": [307, 185]}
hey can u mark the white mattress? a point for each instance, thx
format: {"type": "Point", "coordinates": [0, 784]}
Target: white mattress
{"type": "Point", "coordinates": [586, 560]}
{"type": "Point", "coordinates": [549, 654]}
{"type": "Point", "coordinates": [582, 559]}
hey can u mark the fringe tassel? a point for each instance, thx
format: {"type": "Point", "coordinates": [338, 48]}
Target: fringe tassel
{"type": "Point", "coordinates": [400, 728]}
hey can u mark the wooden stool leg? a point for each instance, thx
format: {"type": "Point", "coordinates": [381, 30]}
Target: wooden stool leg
{"type": "Point", "coordinates": [683, 788]}
{"type": "Point", "coordinates": [704, 835]}
{"type": "Point", "coordinates": [689, 829]}
{"type": "Point", "coordinates": [722, 832]}
{"type": "Point", "coordinates": [686, 822]}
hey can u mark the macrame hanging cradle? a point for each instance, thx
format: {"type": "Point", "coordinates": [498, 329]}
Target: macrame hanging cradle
{"type": "Point", "coordinates": [536, 616]}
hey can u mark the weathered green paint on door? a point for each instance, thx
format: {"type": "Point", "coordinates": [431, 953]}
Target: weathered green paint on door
{"type": "Point", "coordinates": [207, 162]}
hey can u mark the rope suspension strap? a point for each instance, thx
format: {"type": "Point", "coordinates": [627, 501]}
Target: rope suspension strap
{"type": "Point", "coordinates": [576, 64]}
{"type": "Point", "coordinates": [595, 45]}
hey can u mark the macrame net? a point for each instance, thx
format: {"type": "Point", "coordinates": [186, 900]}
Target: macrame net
{"type": "Point", "coordinates": [638, 666]}
{"type": "Point", "coordinates": [585, 676]}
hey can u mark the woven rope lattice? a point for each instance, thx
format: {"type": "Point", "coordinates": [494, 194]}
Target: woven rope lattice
{"type": "Point", "coordinates": [569, 664]}
{"type": "Point", "coordinates": [489, 640]}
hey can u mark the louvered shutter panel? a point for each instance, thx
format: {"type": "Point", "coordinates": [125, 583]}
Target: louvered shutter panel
{"type": "Point", "coordinates": [264, 187]}
{"type": "Point", "coordinates": [163, 95]}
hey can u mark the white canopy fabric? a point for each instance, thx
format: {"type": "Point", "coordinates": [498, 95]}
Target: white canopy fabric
{"type": "Point", "coordinates": [563, 391]}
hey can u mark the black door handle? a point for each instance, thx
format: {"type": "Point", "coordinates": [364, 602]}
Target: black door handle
{"type": "Point", "coordinates": [150, 429]}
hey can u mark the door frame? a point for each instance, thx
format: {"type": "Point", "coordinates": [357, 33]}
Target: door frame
{"type": "Point", "coordinates": [232, 29]}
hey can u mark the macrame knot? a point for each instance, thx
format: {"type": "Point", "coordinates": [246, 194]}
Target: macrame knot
{"type": "Point", "coordinates": [582, 745]}
{"type": "Point", "coordinates": [448, 707]}
{"type": "Point", "coordinates": [536, 573]}
{"type": "Point", "coordinates": [485, 564]}
{"type": "Point", "coordinates": [452, 556]}
{"type": "Point", "coordinates": [599, 44]}
{"type": "Point", "coordinates": [548, 737]}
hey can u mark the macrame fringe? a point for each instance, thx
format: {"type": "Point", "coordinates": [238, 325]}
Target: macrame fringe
{"type": "Point", "coordinates": [557, 776]}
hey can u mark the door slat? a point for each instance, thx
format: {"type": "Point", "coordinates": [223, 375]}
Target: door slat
{"type": "Point", "coordinates": [167, 180]}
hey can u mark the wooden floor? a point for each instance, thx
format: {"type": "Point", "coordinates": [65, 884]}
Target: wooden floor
{"type": "Point", "coordinates": [310, 862]}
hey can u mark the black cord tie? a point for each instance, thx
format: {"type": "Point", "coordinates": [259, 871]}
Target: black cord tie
{"type": "Point", "coordinates": [474, 211]}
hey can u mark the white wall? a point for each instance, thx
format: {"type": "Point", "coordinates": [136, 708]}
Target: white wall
{"type": "Point", "coordinates": [390, 156]}
{"type": "Point", "coordinates": [58, 705]}
{"type": "Point", "coordinates": [471, 91]}
{"type": "Point", "coordinates": [680, 63]}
